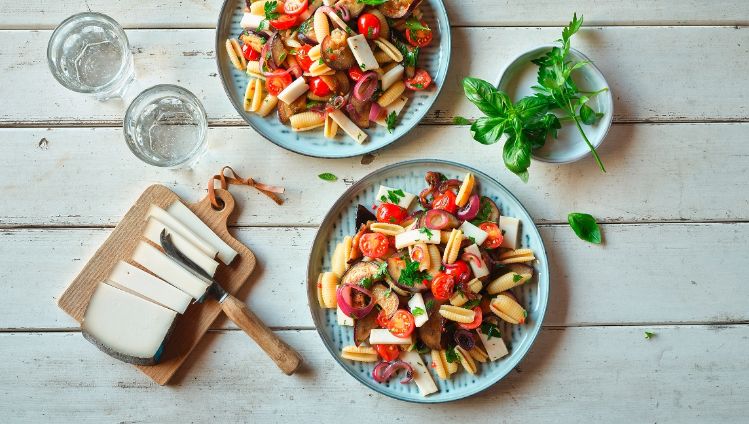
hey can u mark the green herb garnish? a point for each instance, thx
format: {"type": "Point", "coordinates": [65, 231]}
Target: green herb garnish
{"type": "Point", "coordinates": [472, 303]}
{"type": "Point", "coordinates": [417, 311]}
{"type": "Point", "coordinates": [585, 226]}
{"type": "Point", "coordinates": [426, 231]}
{"type": "Point", "coordinates": [485, 209]}
{"type": "Point", "coordinates": [490, 330]}
{"type": "Point", "coordinates": [395, 196]}
{"type": "Point", "coordinates": [367, 282]}
{"type": "Point", "coordinates": [414, 25]}
{"type": "Point", "coordinates": [372, 2]}
{"type": "Point", "coordinates": [390, 121]}
{"type": "Point", "coordinates": [472, 239]}
{"type": "Point", "coordinates": [649, 335]}
{"type": "Point", "coordinates": [430, 304]}
{"type": "Point", "coordinates": [516, 278]}
{"type": "Point", "coordinates": [271, 10]}
{"type": "Point", "coordinates": [327, 176]}
{"type": "Point", "coordinates": [450, 355]}
{"type": "Point", "coordinates": [410, 275]}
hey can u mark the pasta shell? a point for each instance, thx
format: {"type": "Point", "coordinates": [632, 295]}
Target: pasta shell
{"type": "Point", "coordinates": [329, 284]}
{"type": "Point", "coordinates": [382, 57]}
{"type": "Point", "coordinates": [269, 104]}
{"type": "Point", "coordinates": [235, 54]}
{"type": "Point", "coordinates": [258, 7]}
{"type": "Point", "coordinates": [306, 121]}
{"type": "Point", "coordinates": [389, 48]}
{"type": "Point", "coordinates": [321, 26]}
{"type": "Point", "coordinates": [506, 282]}
{"type": "Point", "coordinates": [257, 97]}
{"type": "Point", "coordinates": [466, 360]}
{"type": "Point", "coordinates": [392, 94]}
{"type": "Point", "coordinates": [249, 94]}
{"type": "Point", "coordinates": [420, 253]}
{"type": "Point", "coordinates": [319, 291]}
{"type": "Point", "coordinates": [359, 353]}
{"type": "Point", "coordinates": [440, 364]}
{"type": "Point", "coordinates": [457, 314]}
{"type": "Point", "coordinates": [517, 256]}
{"type": "Point", "coordinates": [465, 190]}
{"type": "Point", "coordinates": [452, 249]}
{"type": "Point", "coordinates": [435, 259]}
{"type": "Point", "coordinates": [451, 367]}
{"type": "Point", "coordinates": [338, 261]}
{"type": "Point", "coordinates": [347, 249]}
{"type": "Point", "coordinates": [253, 67]}
{"type": "Point", "coordinates": [479, 354]}
{"type": "Point", "coordinates": [330, 130]}
{"type": "Point", "coordinates": [459, 299]}
{"type": "Point", "coordinates": [386, 228]}
{"type": "Point", "coordinates": [508, 309]}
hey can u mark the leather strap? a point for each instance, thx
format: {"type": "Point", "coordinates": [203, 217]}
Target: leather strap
{"type": "Point", "coordinates": [268, 190]}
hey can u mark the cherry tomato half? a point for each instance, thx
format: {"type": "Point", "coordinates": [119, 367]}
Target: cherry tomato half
{"type": "Point", "coordinates": [443, 286]}
{"type": "Point", "coordinates": [459, 270]}
{"type": "Point", "coordinates": [420, 81]}
{"type": "Point", "coordinates": [419, 37]}
{"type": "Point", "coordinates": [369, 26]}
{"type": "Point", "coordinates": [374, 245]}
{"type": "Point", "coordinates": [318, 87]}
{"type": "Point", "coordinates": [283, 22]}
{"type": "Point", "coordinates": [445, 201]}
{"type": "Point", "coordinates": [390, 213]}
{"type": "Point", "coordinates": [495, 238]}
{"type": "Point", "coordinates": [249, 53]}
{"type": "Point", "coordinates": [302, 57]}
{"type": "Point", "coordinates": [401, 324]}
{"type": "Point", "coordinates": [295, 7]}
{"type": "Point", "coordinates": [355, 73]}
{"type": "Point", "coordinates": [477, 318]}
{"type": "Point", "coordinates": [277, 81]}
{"type": "Point", "coordinates": [382, 319]}
{"type": "Point", "coordinates": [387, 352]}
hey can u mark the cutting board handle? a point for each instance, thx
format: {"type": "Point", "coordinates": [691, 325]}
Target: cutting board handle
{"type": "Point", "coordinates": [287, 359]}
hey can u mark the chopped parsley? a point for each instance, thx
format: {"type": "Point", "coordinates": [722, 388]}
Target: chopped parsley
{"type": "Point", "coordinates": [271, 10]}
{"type": "Point", "coordinates": [367, 282]}
{"type": "Point", "coordinates": [410, 275]}
{"type": "Point", "coordinates": [418, 85]}
{"type": "Point", "coordinates": [320, 61]}
{"type": "Point", "coordinates": [516, 278]}
{"type": "Point", "coordinates": [473, 240]}
{"type": "Point", "coordinates": [490, 330]}
{"type": "Point", "coordinates": [426, 231]}
{"type": "Point", "coordinates": [472, 303]}
{"type": "Point", "coordinates": [485, 209]}
{"type": "Point", "coordinates": [414, 25]}
{"type": "Point", "coordinates": [363, 67]}
{"type": "Point", "coordinates": [417, 311]}
{"type": "Point", "coordinates": [649, 335]}
{"type": "Point", "coordinates": [430, 304]}
{"type": "Point", "coordinates": [389, 292]}
{"type": "Point", "coordinates": [370, 32]}
{"type": "Point", "coordinates": [327, 176]}
{"type": "Point", "coordinates": [391, 120]}
{"type": "Point", "coordinates": [372, 2]}
{"type": "Point", "coordinates": [451, 355]}
{"type": "Point", "coordinates": [395, 196]}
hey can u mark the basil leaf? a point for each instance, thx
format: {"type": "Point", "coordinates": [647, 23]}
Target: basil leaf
{"type": "Point", "coordinates": [517, 155]}
{"type": "Point", "coordinates": [585, 226]}
{"type": "Point", "coordinates": [588, 115]}
{"type": "Point", "coordinates": [485, 96]}
{"type": "Point", "coordinates": [490, 330]}
{"type": "Point", "coordinates": [327, 176]}
{"type": "Point", "coordinates": [649, 334]}
{"type": "Point", "coordinates": [459, 120]}
{"type": "Point", "coordinates": [414, 25]}
{"type": "Point", "coordinates": [488, 130]}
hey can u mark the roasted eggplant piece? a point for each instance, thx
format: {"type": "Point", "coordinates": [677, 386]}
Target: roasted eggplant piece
{"type": "Point", "coordinates": [358, 111]}
{"type": "Point", "coordinates": [361, 270]}
{"type": "Point", "coordinates": [335, 51]}
{"type": "Point", "coordinates": [278, 51]}
{"type": "Point", "coordinates": [397, 9]}
{"type": "Point", "coordinates": [307, 31]}
{"type": "Point", "coordinates": [354, 7]}
{"type": "Point", "coordinates": [386, 299]}
{"type": "Point", "coordinates": [396, 265]}
{"type": "Point", "coordinates": [488, 206]}
{"type": "Point", "coordinates": [431, 332]}
{"type": "Point", "coordinates": [364, 215]}
{"type": "Point", "coordinates": [285, 111]}
{"type": "Point", "coordinates": [338, 83]}
{"type": "Point", "coordinates": [362, 327]}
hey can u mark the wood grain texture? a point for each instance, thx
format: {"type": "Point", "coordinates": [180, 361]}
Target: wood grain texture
{"type": "Point", "coordinates": [693, 182]}
{"type": "Point", "coordinates": [687, 374]}
{"type": "Point", "coordinates": [41, 14]}
{"type": "Point", "coordinates": [644, 75]}
{"type": "Point", "coordinates": [645, 274]}
{"type": "Point", "coordinates": [194, 323]}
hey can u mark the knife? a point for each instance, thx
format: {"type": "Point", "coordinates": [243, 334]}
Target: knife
{"type": "Point", "coordinates": [285, 357]}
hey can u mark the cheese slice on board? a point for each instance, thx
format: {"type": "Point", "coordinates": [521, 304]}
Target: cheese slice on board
{"type": "Point", "coordinates": [168, 270]}
{"type": "Point", "coordinates": [132, 279]}
{"type": "Point", "coordinates": [225, 252]}
{"type": "Point", "coordinates": [422, 377]}
{"type": "Point", "coordinates": [125, 326]}
{"type": "Point", "coordinates": [177, 224]}
{"type": "Point", "coordinates": [153, 233]}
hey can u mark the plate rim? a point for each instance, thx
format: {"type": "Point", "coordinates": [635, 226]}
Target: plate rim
{"type": "Point", "coordinates": [312, 297]}
{"type": "Point", "coordinates": [441, 9]}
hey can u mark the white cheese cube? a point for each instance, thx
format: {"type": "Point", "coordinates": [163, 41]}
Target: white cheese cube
{"type": "Point", "coordinates": [403, 201]}
{"type": "Point", "coordinates": [384, 336]}
{"type": "Point", "coordinates": [168, 270]}
{"type": "Point", "coordinates": [250, 21]}
{"type": "Point", "coordinates": [397, 107]}
{"type": "Point", "coordinates": [495, 347]}
{"type": "Point", "coordinates": [294, 91]}
{"type": "Point", "coordinates": [225, 253]}
{"type": "Point", "coordinates": [411, 237]}
{"type": "Point", "coordinates": [510, 228]}
{"type": "Point", "coordinates": [136, 281]}
{"type": "Point", "coordinates": [478, 266]}
{"type": "Point", "coordinates": [343, 319]}
{"type": "Point", "coordinates": [422, 377]}
{"type": "Point", "coordinates": [153, 232]}
{"type": "Point", "coordinates": [363, 53]}
{"type": "Point", "coordinates": [126, 326]}
{"type": "Point", "coordinates": [417, 301]}
{"type": "Point", "coordinates": [477, 234]}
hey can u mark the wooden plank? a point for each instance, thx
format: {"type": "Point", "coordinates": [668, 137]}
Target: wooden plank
{"type": "Point", "coordinates": [640, 71]}
{"type": "Point", "coordinates": [603, 374]}
{"type": "Point", "coordinates": [40, 14]}
{"type": "Point", "coordinates": [665, 273]}
{"type": "Point", "coordinates": [692, 184]}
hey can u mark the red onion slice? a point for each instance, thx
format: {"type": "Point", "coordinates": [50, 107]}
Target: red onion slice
{"type": "Point", "coordinates": [343, 295]}
{"type": "Point", "coordinates": [264, 52]}
{"type": "Point", "coordinates": [378, 373]}
{"type": "Point", "coordinates": [384, 370]}
{"type": "Point", "coordinates": [438, 219]}
{"type": "Point", "coordinates": [343, 11]}
{"type": "Point", "coordinates": [366, 86]}
{"type": "Point", "coordinates": [375, 112]}
{"type": "Point", "coordinates": [471, 209]}
{"type": "Point", "coordinates": [470, 257]}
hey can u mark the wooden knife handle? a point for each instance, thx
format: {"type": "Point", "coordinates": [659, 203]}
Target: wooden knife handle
{"type": "Point", "coordinates": [281, 353]}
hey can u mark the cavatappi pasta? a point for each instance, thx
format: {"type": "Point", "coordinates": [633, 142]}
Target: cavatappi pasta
{"type": "Point", "coordinates": [337, 56]}
{"type": "Point", "coordinates": [418, 280]}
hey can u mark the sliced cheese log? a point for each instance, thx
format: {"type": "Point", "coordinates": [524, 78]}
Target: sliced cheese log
{"type": "Point", "coordinates": [153, 233]}
{"type": "Point", "coordinates": [392, 76]}
{"type": "Point", "coordinates": [348, 126]}
{"type": "Point", "coordinates": [422, 377]}
{"type": "Point", "coordinates": [420, 316]}
{"type": "Point", "coordinates": [343, 319]}
{"type": "Point", "coordinates": [295, 90]}
{"type": "Point", "coordinates": [226, 253]}
{"type": "Point", "coordinates": [510, 231]}
{"type": "Point", "coordinates": [178, 225]}
{"type": "Point", "coordinates": [363, 53]}
{"type": "Point", "coordinates": [384, 336]}
{"type": "Point", "coordinates": [411, 237]}
{"type": "Point", "coordinates": [133, 279]}
{"type": "Point", "coordinates": [403, 201]}
{"type": "Point", "coordinates": [250, 21]}
{"type": "Point", "coordinates": [495, 347]}
{"type": "Point", "coordinates": [478, 266]}
{"type": "Point", "coordinates": [397, 107]}
{"type": "Point", "coordinates": [168, 270]}
{"type": "Point", "coordinates": [125, 326]}
{"type": "Point", "coordinates": [477, 234]}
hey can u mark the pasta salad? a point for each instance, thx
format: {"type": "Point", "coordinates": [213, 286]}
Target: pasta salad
{"type": "Point", "coordinates": [436, 279]}
{"type": "Point", "coordinates": [331, 64]}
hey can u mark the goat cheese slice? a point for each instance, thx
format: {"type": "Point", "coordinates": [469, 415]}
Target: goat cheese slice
{"type": "Point", "coordinates": [495, 347]}
{"type": "Point", "coordinates": [343, 319]}
{"type": "Point", "coordinates": [136, 281]}
{"type": "Point", "coordinates": [363, 53]}
{"type": "Point", "coordinates": [510, 231]}
{"type": "Point", "coordinates": [226, 253]}
{"type": "Point", "coordinates": [153, 233]}
{"type": "Point", "coordinates": [477, 234]}
{"type": "Point", "coordinates": [403, 201]}
{"type": "Point", "coordinates": [478, 266]}
{"type": "Point", "coordinates": [411, 237]}
{"type": "Point", "coordinates": [422, 377]}
{"type": "Point", "coordinates": [384, 336]}
{"type": "Point", "coordinates": [417, 301]}
{"type": "Point", "coordinates": [168, 270]}
{"type": "Point", "coordinates": [178, 225]}
{"type": "Point", "coordinates": [397, 107]}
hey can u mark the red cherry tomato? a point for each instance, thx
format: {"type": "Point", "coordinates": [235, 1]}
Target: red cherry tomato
{"type": "Point", "coordinates": [420, 81]}
{"type": "Point", "coordinates": [387, 352]}
{"type": "Point", "coordinates": [401, 324]}
{"type": "Point", "coordinates": [355, 73]}
{"type": "Point", "coordinates": [318, 87]}
{"type": "Point", "coordinates": [445, 201]}
{"type": "Point", "coordinates": [302, 57]}
{"type": "Point", "coordinates": [369, 26]}
{"type": "Point", "coordinates": [495, 238]}
{"type": "Point", "coordinates": [382, 319]}
{"type": "Point", "coordinates": [283, 22]}
{"type": "Point", "coordinates": [374, 245]}
{"type": "Point", "coordinates": [443, 286]}
{"type": "Point", "coordinates": [295, 7]}
{"type": "Point", "coordinates": [419, 37]}
{"type": "Point", "coordinates": [390, 213]}
{"type": "Point", "coordinates": [277, 81]}
{"type": "Point", "coordinates": [249, 53]}
{"type": "Point", "coordinates": [459, 270]}
{"type": "Point", "coordinates": [477, 318]}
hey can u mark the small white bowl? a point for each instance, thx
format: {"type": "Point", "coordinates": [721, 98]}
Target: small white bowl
{"type": "Point", "coordinates": [520, 75]}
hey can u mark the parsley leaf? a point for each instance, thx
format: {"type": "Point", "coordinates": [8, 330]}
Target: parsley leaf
{"type": "Point", "coordinates": [426, 231]}
{"type": "Point", "coordinates": [649, 335]}
{"type": "Point", "coordinates": [327, 176]}
{"type": "Point", "coordinates": [516, 278]}
{"type": "Point", "coordinates": [472, 304]}
{"type": "Point", "coordinates": [366, 282]}
{"type": "Point", "coordinates": [262, 24]}
{"type": "Point", "coordinates": [410, 274]}
{"type": "Point", "coordinates": [415, 25]}
{"type": "Point", "coordinates": [485, 211]}
{"type": "Point", "coordinates": [490, 330]}
{"type": "Point", "coordinates": [472, 239]}
{"type": "Point", "coordinates": [391, 121]}
{"type": "Point", "coordinates": [417, 311]}
{"type": "Point", "coordinates": [451, 355]}
{"type": "Point", "coordinates": [585, 226]}
{"type": "Point", "coordinates": [395, 196]}
{"type": "Point", "coordinates": [271, 10]}
{"type": "Point", "coordinates": [372, 2]}
{"type": "Point", "coordinates": [430, 304]}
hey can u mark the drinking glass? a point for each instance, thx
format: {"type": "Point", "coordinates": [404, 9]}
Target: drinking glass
{"type": "Point", "coordinates": [166, 126]}
{"type": "Point", "coordinates": [89, 53]}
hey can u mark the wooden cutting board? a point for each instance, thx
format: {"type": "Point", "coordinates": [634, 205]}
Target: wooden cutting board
{"type": "Point", "coordinates": [120, 245]}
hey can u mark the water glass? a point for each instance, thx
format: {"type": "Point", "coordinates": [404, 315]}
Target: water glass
{"type": "Point", "coordinates": [89, 53]}
{"type": "Point", "coordinates": [166, 126]}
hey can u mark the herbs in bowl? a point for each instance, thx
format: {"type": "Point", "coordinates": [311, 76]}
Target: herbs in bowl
{"type": "Point", "coordinates": [551, 91]}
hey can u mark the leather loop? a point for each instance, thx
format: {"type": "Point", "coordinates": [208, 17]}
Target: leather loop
{"type": "Point", "coordinates": [268, 190]}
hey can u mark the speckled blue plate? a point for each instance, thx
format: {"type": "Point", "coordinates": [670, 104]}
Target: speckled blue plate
{"type": "Point", "coordinates": [339, 222]}
{"type": "Point", "coordinates": [435, 59]}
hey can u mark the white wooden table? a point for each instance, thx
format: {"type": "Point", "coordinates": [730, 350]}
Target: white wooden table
{"type": "Point", "coordinates": [674, 207]}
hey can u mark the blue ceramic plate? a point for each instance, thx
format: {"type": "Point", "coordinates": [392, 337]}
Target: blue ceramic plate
{"type": "Point", "coordinates": [435, 59]}
{"type": "Point", "coordinates": [339, 222]}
